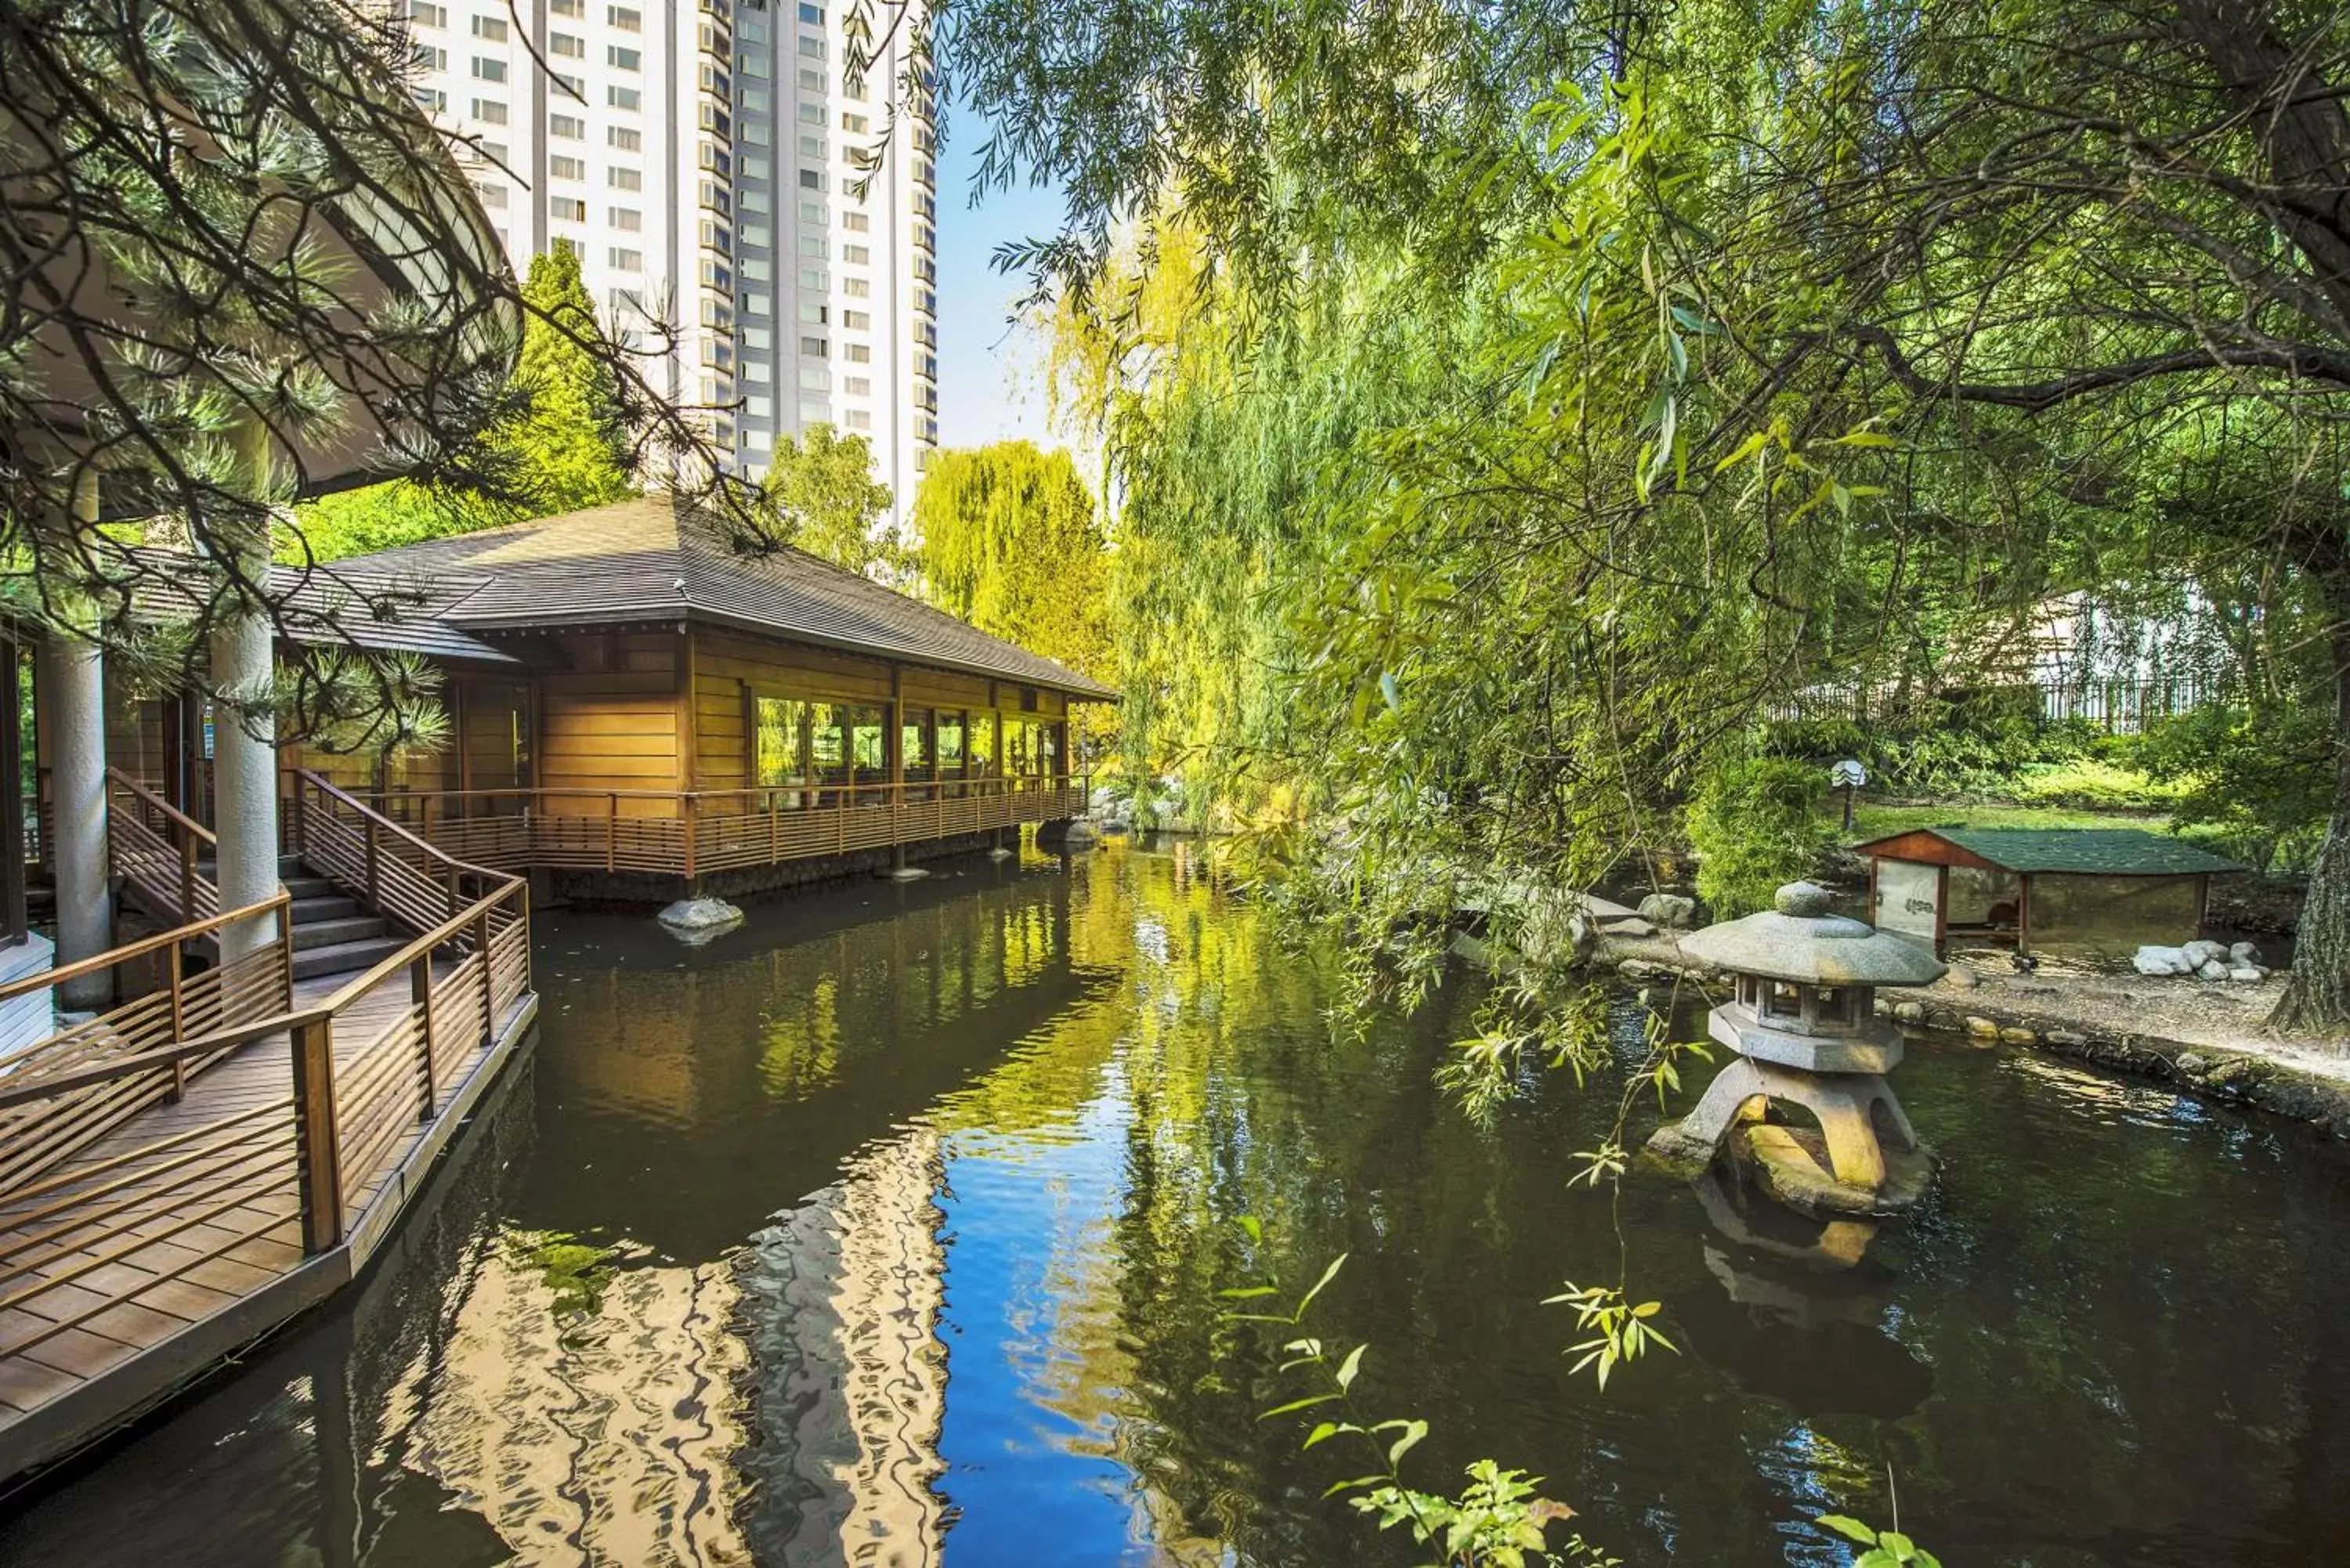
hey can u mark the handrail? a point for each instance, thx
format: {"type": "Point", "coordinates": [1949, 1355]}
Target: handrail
{"type": "Point", "coordinates": [434, 850]}
{"type": "Point", "coordinates": [260, 1028]}
{"type": "Point", "coordinates": [171, 814]}
{"type": "Point", "coordinates": [139, 948]}
{"type": "Point", "coordinates": [1006, 783]}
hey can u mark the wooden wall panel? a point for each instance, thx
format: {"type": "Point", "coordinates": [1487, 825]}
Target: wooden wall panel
{"type": "Point", "coordinates": [617, 730]}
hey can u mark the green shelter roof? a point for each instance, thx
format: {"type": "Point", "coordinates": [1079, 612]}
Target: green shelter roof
{"type": "Point", "coordinates": [2081, 851]}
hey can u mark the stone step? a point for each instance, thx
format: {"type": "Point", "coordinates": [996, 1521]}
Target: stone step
{"type": "Point", "coordinates": [323, 906]}
{"type": "Point", "coordinates": [312, 887]}
{"type": "Point", "coordinates": [343, 958]}
{"type": "Point", "coordinates": [338, 932]}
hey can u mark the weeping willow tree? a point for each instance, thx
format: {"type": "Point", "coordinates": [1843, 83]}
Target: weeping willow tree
{"type": "Point", "coordinates": [1747, 346]}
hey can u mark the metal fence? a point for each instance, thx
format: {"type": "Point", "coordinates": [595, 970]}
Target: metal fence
{"type": "Point", "coordinates": [2121, 706]}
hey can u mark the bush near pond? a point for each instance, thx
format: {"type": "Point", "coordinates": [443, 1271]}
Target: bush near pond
{"type": "Point", "coordinates": [1755, 825]}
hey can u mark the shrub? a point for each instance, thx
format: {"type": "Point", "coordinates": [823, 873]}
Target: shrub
{"type": "Point", "coordinates": [2260, 779]}
{"type": "Point", "coordinates": [1755, 825]}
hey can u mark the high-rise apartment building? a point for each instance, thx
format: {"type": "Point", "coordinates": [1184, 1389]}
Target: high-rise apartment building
{"type": "Point", "coordinates": [707, 159]}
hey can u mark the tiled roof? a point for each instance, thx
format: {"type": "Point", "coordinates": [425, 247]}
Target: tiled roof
{"type": "Point", "coordinates": [2089, 851]}
{"type": "Point", "coordinates": [654, 558]}
{"type": "Point", "coordinates": [328, 605]}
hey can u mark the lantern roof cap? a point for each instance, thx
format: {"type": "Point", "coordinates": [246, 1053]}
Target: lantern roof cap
{"type": "Point", "coordinates": [1801, 940]}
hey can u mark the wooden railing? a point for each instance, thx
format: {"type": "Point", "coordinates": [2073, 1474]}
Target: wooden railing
{"type": "Point", "coordinates": [155, 846]}
{"type": "Point", "coordinates": [692, 832]}
{"type": "Point", "coordinates": [393, 871]}
{"type": "Point", "coordinates": [47, 1119]}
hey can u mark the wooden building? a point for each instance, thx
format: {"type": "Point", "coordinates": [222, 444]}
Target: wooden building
{"type": "Point", "coordinates": [2108, 887]}
{"type": "Point", "coordinates": [640, 708]}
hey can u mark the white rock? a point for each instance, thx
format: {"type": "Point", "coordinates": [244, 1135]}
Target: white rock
{"type": "Point", "coordinates": [2247, 972]}
{"type": "Point", "coordinates": [1668, 908]}
{"type": "Point", "coordinates": [2243, 953]}
{"type": "Point", "coordinates": [699, 914]}
{"type": "Point", "coordinates": [1627, 926]}
{"type": "Point", "coordinates": [2156, 960]}
{"type": "Point", "coordinates": [2212, 969]}
{"type": "Point", "coordinates": [2199, 953]}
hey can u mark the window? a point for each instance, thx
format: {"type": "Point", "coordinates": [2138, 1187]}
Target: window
{"type": "Point", "coordinates": [818, 347]}
{"type": "Point", "coordinates": [758, 337]}
{"type": "Point", "coordinates": [567, 46]}
{"type": "Point", "coordinates": [627, 219]}
{"type": "Point", "coordinates": [811, 180]}
{"type": "Point", "coordinates": [854, 124]}
{"type": "Point", "coordinates": [564, 168]}
{"type": "Point", "coordinates": [857, 255]}
{"type": "Point", "coordinates": [815, 379]}
{"type": "Point", "coordinates": [714, 159]}
{"type": "Point", "coordinates": [750, 200]}
{"type": "Point", "coordinates": [814, 213]}
{"type": "Point", "coordinates": [429, 58]}
{"type": "Point", "coordinates": [811, 15]}
{"type": "Point", "coordinates": [856, 222]}
{"type": "Point", "coordinates": [812, 147]}
{"type": "Point", "coordinates": [489, 71]}
{"type": "Point", "coordinates": [811, 311]}
{"type": "Point", "coordinates": [811, 82]}
{"type": "Point", "coordinates": [628, 99]}
{"type": "Point", "coordinates": [627, 18]}
{"type": "Point", "coordinates": [813, 245]}
{"type": "Point", "coordinates": [813, 278]}
{"type": "Point", "coordinates": [856, 289]}
{"type": "Point", "coordinates": [431, 98]}
{"type": "Point", "coordinates": [425, 14]}
{"type": "Point", "coordinates": [568, 209]}
{"type": "Point", "coordinates": [568, 128]}
{"type": "Point", "coordinates": [750, 66]}
{"type": "Point", "coordinates": [756, 100]}
{"type": "Point", "coordinates": [491, 152]}
{"type": "Point", "coordinates": [858, 353]}
{"type": "Point", "coordinates": [779, 748]}
{"type": "Point", "coordinates": [713, 196]}
{"type": "Point", "coordinates": [983, 745]}
{"type": "Point", "coordinates": [716, 237]}
{"type": "Point", "coordinates": [754, 370]}
{"type": "Point", "coordinates": [860, 419]}
{"type": "Point", "coordinates": [755, 235]}
{"type": "Point", "coordinates": [754, 269]}
{"type": "Point", "coordinates": [624, 179]}
{"type": "Point", "coordinates": [626, 261]}
{"type": "Point", "coordinates": [811, 47]}
{"type": "Point", "coordinates": [811, 114]}
{"type": "Point", "coordinates": [858, 386]}
{"type": "Point", "coordinates": [755, 166]}
{"type": "Point", "coordinates": [489, 111]}
{"type": "Point", "coordinates": [492, 195]}
{"type": "Point", "coordinates": [494, 28]}
{"type": "Point", "coordinates": [573, 88]}
{"type": "Point", "coordinates": [568, 8]}
{"type": "Point", "coordinates": [758, 407]}
{"type": "Point", "coordinates": [856, 320]}
{"type": "Point", "coordinates": [624, 138]}
{"type": "Point", "coordinates": [624, 59]}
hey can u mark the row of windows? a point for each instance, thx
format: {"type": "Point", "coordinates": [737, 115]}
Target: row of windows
{"type": "Point", "coordinates": [815, 754]}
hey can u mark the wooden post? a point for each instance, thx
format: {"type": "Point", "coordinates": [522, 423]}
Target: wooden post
{"type": "Point", "coordinates": [2024, 914]}
{"type": "Point", "coordinates": [489, 990]}
{"type": "Point", "coordinates": [301, 822]}
{"type": "Point", "coordinates": [286, 953]}
{"type": "Point", "coordinates": [774, 843]}
{"type": "Point", "coordinates": [685, 805]}
{"type": "Point", "coordinates": [612, 833]}
{"type": "Point", "coordinates": [187, 872]}
{"type": "Point", "coordinates": [374, 885]}
{"type": "Point", "coordinates": [179, 1027]}
{"type": "Point", "coordinates": [318, 1154]}
{"type": "Point", "coordinates": [419, 994]}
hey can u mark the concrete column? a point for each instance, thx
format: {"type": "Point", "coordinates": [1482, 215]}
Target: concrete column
{"type": "Point", "coordinates": [244, 737]}
{"type": "Point", "coordinates": [74, 684]}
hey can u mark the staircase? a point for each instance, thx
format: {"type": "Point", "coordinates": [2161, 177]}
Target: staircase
{"type": "Point", "coordinates": [332, 934]}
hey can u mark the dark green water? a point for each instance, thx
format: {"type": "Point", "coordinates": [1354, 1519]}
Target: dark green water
{"type": "Point", "coordinates": [895, 1222]}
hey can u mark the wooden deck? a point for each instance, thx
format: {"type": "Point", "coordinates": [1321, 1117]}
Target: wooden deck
{"type": "Point", "coordinates": [142, 1259]}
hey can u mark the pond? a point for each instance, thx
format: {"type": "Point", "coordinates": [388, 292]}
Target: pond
{"type": "Point", "coordinates": [888, 1228]}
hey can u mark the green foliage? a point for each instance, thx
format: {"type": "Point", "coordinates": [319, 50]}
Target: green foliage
{"type": "Point", "coordinates": [564, 448]}
{"type": "Point", "coordinates": [577, 1272]}
{"type": "Point", "coordinates": [823, 487]}
{"type": "Point", "coordinates": [1886, 1548]}
{"type": "Point", "coordinates": [2263, 778]}
{"type": "Point", "coordinates": [1620, 1330]}
{"type": "Point", "coordinates": [1012, 542]}
{"type": "Point", "coordinates": [1756, 825]}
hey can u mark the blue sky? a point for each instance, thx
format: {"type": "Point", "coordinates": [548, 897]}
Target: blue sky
{"type": "Point", "coordinates": [990, 372]}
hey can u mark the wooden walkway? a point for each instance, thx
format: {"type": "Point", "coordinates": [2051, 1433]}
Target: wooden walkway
{"type": "Point", "coordinates": [140, 1260]}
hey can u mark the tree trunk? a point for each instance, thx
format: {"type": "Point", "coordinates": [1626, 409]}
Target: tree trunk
{"type": "Point", "coordinates": [2316, 998]}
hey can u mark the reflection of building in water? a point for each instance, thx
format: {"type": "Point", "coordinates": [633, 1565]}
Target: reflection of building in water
{"type": "Point", "coordinates": [605, 1436]}
{"type": "Point", "coordinates": [840, 1306]}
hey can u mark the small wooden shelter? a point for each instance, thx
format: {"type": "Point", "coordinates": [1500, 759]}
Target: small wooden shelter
{"type": "Point", "coordinates": [2108, 887]}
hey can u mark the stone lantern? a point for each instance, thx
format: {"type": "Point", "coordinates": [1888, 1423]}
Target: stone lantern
{"type": "Point", "coordinates": [1801, 1018]}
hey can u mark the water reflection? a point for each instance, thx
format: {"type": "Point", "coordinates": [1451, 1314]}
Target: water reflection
{"type": "Point", "coordinates": [888, 1229]}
